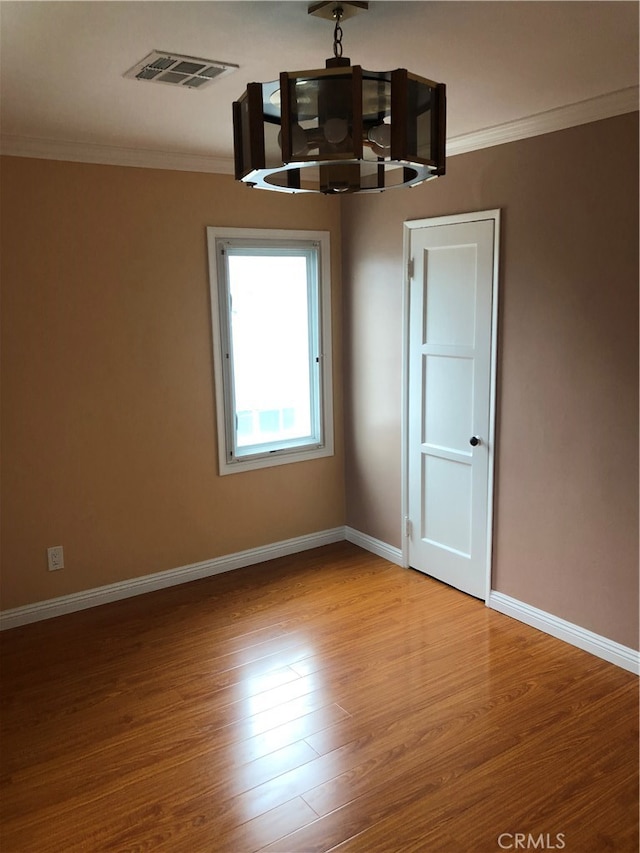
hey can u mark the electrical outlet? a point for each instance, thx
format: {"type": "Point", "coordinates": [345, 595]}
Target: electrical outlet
{"type": "Point", "coordinates": [55, 558]}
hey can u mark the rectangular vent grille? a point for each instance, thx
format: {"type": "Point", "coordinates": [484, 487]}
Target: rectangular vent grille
{"type": "Point", "coordinates": [175, 69]}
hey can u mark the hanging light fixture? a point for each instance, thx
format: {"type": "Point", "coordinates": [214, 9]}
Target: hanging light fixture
{"type": "Point", "coordinates": [340, 129]}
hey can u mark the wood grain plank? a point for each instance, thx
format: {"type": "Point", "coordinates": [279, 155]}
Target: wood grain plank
{"type": "Point", "coordinates": [323, 701]}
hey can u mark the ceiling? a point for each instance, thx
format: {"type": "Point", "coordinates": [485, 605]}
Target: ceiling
{"type": "Point", "coordinates": [63, 88]}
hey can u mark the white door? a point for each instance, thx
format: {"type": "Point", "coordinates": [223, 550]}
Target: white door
{"type": "Point", "coordinates": [453, 269]}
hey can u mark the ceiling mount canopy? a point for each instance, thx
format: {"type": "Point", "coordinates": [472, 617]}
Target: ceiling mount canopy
{"type": "Point", "coordinates": [340, 129]}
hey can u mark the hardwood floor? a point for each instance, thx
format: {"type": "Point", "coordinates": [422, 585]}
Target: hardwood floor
{"type": "Point", "coordinates": [326, 701]}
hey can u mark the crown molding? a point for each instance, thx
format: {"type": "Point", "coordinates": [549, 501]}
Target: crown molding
{"type": "Point", "coordinates": [111, 155]}
{"type": "Point", "coordinates": [583, 112]}
{"type": "Point", "coordinates": [572, 115]}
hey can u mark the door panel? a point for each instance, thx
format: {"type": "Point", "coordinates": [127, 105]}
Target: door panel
{"type": "Point", "coordinates": [450, 344]}
{"type": "Point", "coordinates": [450, 300]}
{"type": "Point", "coordinates": [448, 398]}
{"type": "Point", "coordinates": [446, 483]}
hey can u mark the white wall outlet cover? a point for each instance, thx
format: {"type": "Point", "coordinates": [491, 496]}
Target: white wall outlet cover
{"type": "Point", "coordinates": [55, 558]}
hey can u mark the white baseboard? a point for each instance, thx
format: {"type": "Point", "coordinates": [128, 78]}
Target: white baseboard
{"type": "Point", "coordinates": [161, 580]}
{"type": "Point", "coordinates": [376, 546]}
{"type": "Point", "coordinates": [597, 645]}
{"type": "Point", "coordinates": [602, 647]}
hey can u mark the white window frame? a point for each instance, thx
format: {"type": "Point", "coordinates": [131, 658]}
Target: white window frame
{"type": "Point", "coordinates": [229, 461]}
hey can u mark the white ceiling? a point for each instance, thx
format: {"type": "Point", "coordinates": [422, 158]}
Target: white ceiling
{"type": "Point", "coordinates": [62, 65]}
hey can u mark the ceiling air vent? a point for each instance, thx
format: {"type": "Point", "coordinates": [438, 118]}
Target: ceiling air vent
{"type": "Point", "coordinates": [177, 70]}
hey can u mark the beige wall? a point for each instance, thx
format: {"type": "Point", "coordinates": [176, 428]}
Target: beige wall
{"type": "Point", "coordinates": [108, 427]}
{"type": "Point", "coordinates": [566, 523]}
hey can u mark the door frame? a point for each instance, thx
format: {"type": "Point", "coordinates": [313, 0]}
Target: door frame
{"type": "Point", "coordinates": [409, 226]}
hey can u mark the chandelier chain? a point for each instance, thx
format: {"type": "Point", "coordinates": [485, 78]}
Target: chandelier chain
{"type": "Point", "coordinates": [337, 32]}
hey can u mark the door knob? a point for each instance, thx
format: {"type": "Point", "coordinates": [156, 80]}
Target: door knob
{"type": "Point", "coordinates": [475, 440]}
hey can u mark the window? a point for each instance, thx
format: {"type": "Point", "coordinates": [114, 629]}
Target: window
{"type": "Point", "coordinates": [270, 304]}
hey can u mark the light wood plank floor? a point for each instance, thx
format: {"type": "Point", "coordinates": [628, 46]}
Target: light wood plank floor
{"type": "Point", "coordinates": [327, 701]}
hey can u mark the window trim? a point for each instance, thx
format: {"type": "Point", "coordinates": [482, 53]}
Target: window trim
{"type": "Point", "coordinates": [269, 238]}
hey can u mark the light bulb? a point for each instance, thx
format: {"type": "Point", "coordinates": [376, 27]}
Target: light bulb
{"type": "Point", "coordinates": [335, 130]}
{"type": "Point", "coordinates": [298, 140]}
{"type": "Point", "coordinates": [380, 135]}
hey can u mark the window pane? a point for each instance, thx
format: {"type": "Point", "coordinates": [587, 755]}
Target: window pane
{"type": "Point", "coordinates": [272, 362]}
{"type": "Point", "coordinates": [271, 313]}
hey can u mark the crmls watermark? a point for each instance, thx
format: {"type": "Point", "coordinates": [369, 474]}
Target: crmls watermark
{"type": "Point", "coordinates": [529, 841]}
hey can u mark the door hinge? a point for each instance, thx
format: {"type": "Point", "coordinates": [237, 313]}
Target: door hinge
{"type": "Point", "coordinates": [408, 527]}
{"type": "Point", "coordinates": [410, 268]}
